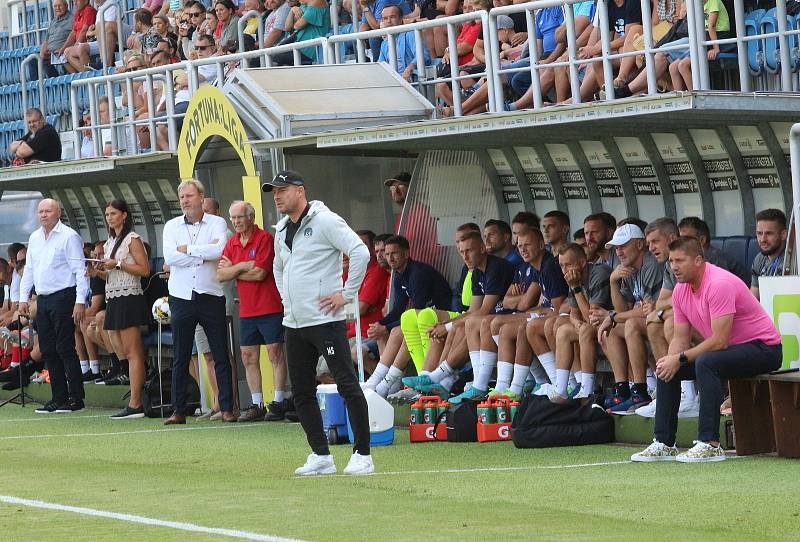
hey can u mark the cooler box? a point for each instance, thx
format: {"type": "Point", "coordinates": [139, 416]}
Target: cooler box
{"type": "Point", "coordinates": [381, 419]}
{"type": "Point", "coordinates": [334, 413]}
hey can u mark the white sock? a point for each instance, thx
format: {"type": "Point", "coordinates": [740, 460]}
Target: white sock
{"type": "Point", "coordinates": [688, 388]}
{"type": "Point", "coordinates": [505, 372]}
{"type": "Point", "coordinates": [448, 381]}
{"type": "Point", "coordinates": [280, 395]}
{"type": "Point", "coordinates": [572, 380]}
{"type": "Point", "coordinates": [475, 360]}
{"type": "Point", "coordinates": [587, 384]}
{"type": "Point", "coordinates": [94, 366]}
{"type": "Point", "coordinates": [538, 372]}
{"type": "Point", "coordinates": [496, 339]}
{"type": "Point", "coordinates": [488, 363]}
{"type": "Point", "coordinates": [520, 376]}
{"type": "Point", "coordinates": [377, 375]}
{"type": "Point", "coordinates": [578, 376]}
{"type": "Point", "coordinates": [385, 386]}
{"type": "Point", "coordinates": [651, 379]}
{"type": "Point", "coordinates": [84, 366]}
{"type": "Point", "coordinates": [441, 372]}
{"type": "Point", "coordinates": [395, 387]}
{"type": "Point", "coordinates": [258, 398]}
{"type": "Point", "coordinates": [548, 361]}
{"type": "Point", "coordinates": [562, 378]}
{"type": "Point", "coordinates": [287, 395]}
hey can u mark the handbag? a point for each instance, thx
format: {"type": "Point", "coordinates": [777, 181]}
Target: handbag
{"type": "Point", "coordinates": [678, 31]}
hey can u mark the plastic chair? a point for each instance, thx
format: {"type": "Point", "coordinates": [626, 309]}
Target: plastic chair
{"type": "Point", "coordinates": [752, 25]}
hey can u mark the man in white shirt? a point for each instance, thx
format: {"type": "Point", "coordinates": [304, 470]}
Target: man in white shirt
{"type": "Point", "coordinates": [193, 244]}
{"type": "Point", "coordinates": [55, 267]}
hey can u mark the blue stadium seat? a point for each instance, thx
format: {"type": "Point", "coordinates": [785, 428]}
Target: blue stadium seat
{"type": "Point", "coordinates": [752, 250]}
{"type": "Point", "coordinates": [772, 54]}
{"type": "Point", "coordinates": [738, 247]}
{"type": "Point", "coordinates": [718, 242]}
{"type": "Point", "coordinates": [755, 54]}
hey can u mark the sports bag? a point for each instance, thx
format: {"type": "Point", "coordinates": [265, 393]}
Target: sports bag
{"type": "Point", "coordinates": [542, 424]}
{"type": "Point", "coordinates": [152, 396]}
{"type": "Point", "coordinates": [462, 422]}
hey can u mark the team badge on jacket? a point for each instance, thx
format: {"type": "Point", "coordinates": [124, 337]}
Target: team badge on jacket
{"type": "Point", "coordinates": [308, 232]}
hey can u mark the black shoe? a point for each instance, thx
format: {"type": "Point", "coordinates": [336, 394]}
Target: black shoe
{"type": "Point", "coordinates": [292, 417]}
{"type": "Point", "coordinates": [90, 377]}
{"type": "Point", "coordinates": [119, 380]}
{"type": "Point", "coordinates": [128, 413]}
{"type": "Point", "coordinates": [278, 410]}
{"type": "Point", "coordinates": [10, 374]}
{"type": "Point", "coordinates": [49, 408]}
{"type": "Point", "coordinates": [70, 405]}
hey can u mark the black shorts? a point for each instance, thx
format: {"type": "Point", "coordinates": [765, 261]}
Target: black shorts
{"type": "Point", "coordinates": [258, 330]}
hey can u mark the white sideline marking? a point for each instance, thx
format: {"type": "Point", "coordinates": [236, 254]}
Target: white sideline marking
{"type": "Point", "coordinates": [45, 418]}
{"type": "Point", "coordinates": [234, 533]}
{"type": "Point", "coordinates": [66, 435]}
{"type": "Point", "coordinates": [482, 469]}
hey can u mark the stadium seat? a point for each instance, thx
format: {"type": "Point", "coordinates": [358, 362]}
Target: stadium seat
{"type": "Point", "coordinates": [772, 53]}
{"type": "Point", "coordinates": [735, 246]}
{"type": "Point", "coordinates": [752, 250]}
{"type": "Point", "coordinates": [755, 58]}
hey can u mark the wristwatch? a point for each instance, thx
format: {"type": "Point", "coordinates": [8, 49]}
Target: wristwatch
{"type": "Point", "coordinates": [119, 265]}
{"type": "Point", "coordinates": [683, 359]}
{"type": "Point", "coordinates": [612, 315]}
{"type": "Point", "coordinates": [576, 290]}
{"type": "Point", "coordinates": [660, 315]}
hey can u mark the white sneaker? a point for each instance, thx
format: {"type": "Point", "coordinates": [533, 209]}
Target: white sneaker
{"type": "Point", "coordinates": [657, 451]}
{"type": "Point", "coordinates": [317, 464]}
{"type": "Point", "coordinates": [647, 411]}
{"type": "Point", "coordinates": [701, 452]}
{"type": "Point", "coordinates": [545, 389]}
{"type": "Point", "coordinates": [690, 407]}
{"type": "Point", "coordinates": [359, 464]}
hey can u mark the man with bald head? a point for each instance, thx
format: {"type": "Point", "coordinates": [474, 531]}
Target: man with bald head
{"type": "Point", "coordinates": [55, 268]}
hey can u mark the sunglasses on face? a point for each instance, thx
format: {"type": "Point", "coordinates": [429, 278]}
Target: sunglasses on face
{"type": "Point", "coordinates": [204, 47]}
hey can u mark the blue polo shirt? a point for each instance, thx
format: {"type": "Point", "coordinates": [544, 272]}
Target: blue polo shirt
{"type": "Point", "coordinates": [547, 21]}
{"type": "Point", "coordinates": [377, 7]}
{"type": "Point", "coordinates": [419, 286]}
{"type": "Point", "coordinates": [550, 279]}
{"type": "Point", "coordinates": [494, 280]}
{"type": "Point", "coordinates": [514, 257]}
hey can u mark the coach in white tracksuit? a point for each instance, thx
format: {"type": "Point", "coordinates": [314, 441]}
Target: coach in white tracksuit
{"type": "Point", "coordinates": [309, 243]}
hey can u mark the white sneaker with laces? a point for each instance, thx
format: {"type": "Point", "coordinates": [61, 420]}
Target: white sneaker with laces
{"type": "Point", "coordinates": [701, 452]}
{"type": "Point", "coordinates": [647, 411]}
{"type": "Point", "coordinates": [316, 465]}
{"type": "Point", "coordinates": [657, 451]}
{"type": "Point", "coordinates": [359, 464]}
{"type": "Point", "coordinates": [690, 407]}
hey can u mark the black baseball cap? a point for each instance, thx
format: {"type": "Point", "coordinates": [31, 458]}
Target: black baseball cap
{"type": "Point", "coordinates": [284, 178]}
{"type": "Point", "coordinates": [403, 177]}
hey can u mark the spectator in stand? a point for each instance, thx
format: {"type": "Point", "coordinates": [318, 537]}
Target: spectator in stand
{"type": "Point", "coordinates": [372, 15]}
{"type": "Point", "coordinates": [739, 340]}
{"type": "Point", "coordinates": [555, 229]}
{"type": "Point", "coordinates": [84, 18]}
{"type": "Point", "coordinates": [55, 268]}
{"type": "Point", "coordinates": [125, 261]}
{"type": "Point", "coordinates": [205, 48]}
{"type": "Point", "coordinates": [153, 6]}
{"type": "Point", "coordinates": [145, 36]}
{"type": "Point", "coordinates": [185, 32]}
{"type": "Point", "coordinates": [88, 149]}
{"type": "Point", "coordinates": [110, 33]}
{"type": "Point", "coordinates": [163, 27]}
{"type": "Point", "coordinates": [635, 288]}
{"type": "Point", "coordinates": [771, 234]}
{"type": "Point", "coordinates": [196, 296]}
{"type": "Point", "coordinates": [251, 27]}
{"type": "Point", "coordinates": [465, 44]}
{"type": "Point", "coordinates": [308, 21]}
{"type": "Point", "coordinates": [182, 97]}
{"type": "Point", "coordinates": [40, 144]}
{"type": "Point", "coordinates": [718, 26]}
{"type": "Point", "coordinates": [275, 23]}
{"type": "Point", "coordinates": [247, 258]}
{"type": "Point", "coordinates": [405, 44]}
{"type": "Point", "coordinates": [58, 32]}
{"type": "Point", "coordinates": [497, 238]}
{"type": "Point", "coordinates": [170, 47]}
{"type": "Point", "coordinates": [227, 22]}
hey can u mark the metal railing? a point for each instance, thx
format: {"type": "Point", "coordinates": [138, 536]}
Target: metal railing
{"type": "Point", "coordinates": [112, 85]}
{"type": "Point", "coordinates": [259, 33]}
{"type": "Point", "coordinates": [794, 154]}
{"type": "Point", "coordinates": [452, 25]}
{"type": "Point", "coordinates": [101, 34]}
{"type": "Point", "coordinates": [22, 8]}
{"type": "Point", "coordinates": [23, 77]}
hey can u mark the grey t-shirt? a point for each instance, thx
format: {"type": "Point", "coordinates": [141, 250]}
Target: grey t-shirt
{"type": "Point", "coordinates": [645, 283]}
{"type": "Point", "coordinates": [58, 31]}
{"type": "Point", "coordinates": [669, 277]}
{"type": "Point", "coordinates": [596, 287]}
{"type": "Point", "coordinates": [720, 259]}
{"type": "Point", "coordinates": [764, 267]}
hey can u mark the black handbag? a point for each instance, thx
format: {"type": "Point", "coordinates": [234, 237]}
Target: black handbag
{"type": "Point", "coordinates": [678, 31]}
{"type": "Point", "coordinates": [543, 424]}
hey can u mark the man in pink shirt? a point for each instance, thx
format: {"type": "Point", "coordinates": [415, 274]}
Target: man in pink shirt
{"type": "Point", "coordinates": [739, 341]}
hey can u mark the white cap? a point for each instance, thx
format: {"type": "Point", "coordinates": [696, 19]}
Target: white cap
{"type": "Point", "coordinates": [624, 234]}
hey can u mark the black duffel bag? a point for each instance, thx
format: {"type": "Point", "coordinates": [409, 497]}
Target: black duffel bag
{"type": "Point", "coordinates": [542, 424]}
{"type": "Point", "coordinates": [462, 422]}
{"type": "Point", "coordinates": [157, 403]}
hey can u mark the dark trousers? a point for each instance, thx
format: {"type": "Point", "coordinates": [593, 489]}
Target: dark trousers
{"type": "Point", "coordinates": [208, 311]}
{"type": "Point", "coordinates": [710, 370]}
{"type": "Point", "coordinates": [304, 346]}
{"type": "Point", "coordinates": [56, 330]}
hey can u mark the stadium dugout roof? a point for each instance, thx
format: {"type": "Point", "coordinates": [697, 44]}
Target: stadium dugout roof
{"type": "Point", "coordinates": [631, 117]}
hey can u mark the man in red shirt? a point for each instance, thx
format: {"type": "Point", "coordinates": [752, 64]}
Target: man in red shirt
{"type": "Point", "coordinates": [372, 294]}
{"type": "Point", "coordinates": [247, 258]}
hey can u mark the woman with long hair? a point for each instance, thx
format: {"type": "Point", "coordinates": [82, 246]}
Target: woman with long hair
{"type": "Point", "coordinates": [126, 263]}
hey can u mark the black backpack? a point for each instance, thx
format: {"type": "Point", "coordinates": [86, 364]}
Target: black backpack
{"type": "Point", "coordinates": [152, 396]}
{"type": "Point", "coordinates": [542, 424]}
{"type": "Point", "coordinates": [462, 422]}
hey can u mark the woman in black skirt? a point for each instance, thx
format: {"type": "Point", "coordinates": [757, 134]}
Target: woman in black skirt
{"type": "Point", "coordinates": [126, 311]}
